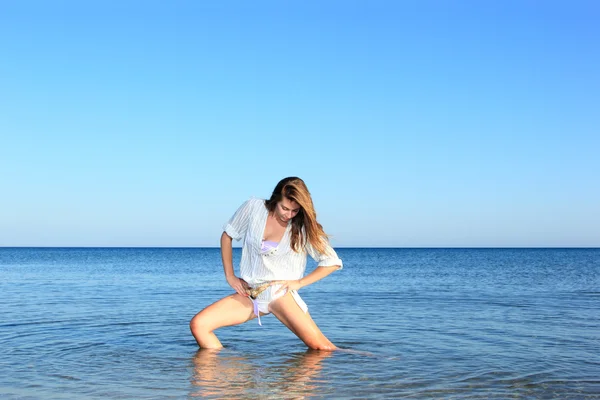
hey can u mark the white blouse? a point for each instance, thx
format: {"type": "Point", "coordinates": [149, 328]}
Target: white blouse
{"type": "Point", "coordinates": [281, 263]}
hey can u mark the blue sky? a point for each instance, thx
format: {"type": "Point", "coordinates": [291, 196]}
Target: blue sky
{"type": "Point", "coordinates": [413, 123]}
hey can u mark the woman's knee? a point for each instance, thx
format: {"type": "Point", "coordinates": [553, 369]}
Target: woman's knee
{"type": "Point", "coordinates": [200, 323]}
{"type": "Point", "coordinates": [231, 310]}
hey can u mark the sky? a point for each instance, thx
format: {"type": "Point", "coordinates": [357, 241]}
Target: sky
{"type": "Point", "coordinates": [413, 123]}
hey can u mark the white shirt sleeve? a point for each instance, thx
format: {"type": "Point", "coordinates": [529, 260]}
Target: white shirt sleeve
{"type": "Point", "coordinates": [328, 258]}
{"type": "Point", "coordinates": [237, 226]}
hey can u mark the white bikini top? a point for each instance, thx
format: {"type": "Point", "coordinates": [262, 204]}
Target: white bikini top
{"type": "Point", "coordinates": [268, 245]}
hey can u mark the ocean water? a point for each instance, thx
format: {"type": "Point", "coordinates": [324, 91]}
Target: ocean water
{"type": "Point", "coordinates": [111, 323]}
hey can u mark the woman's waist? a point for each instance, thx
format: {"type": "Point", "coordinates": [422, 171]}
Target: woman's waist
{"type": "Point", "coordinates": [254, 281]}
{"type": "Point", "coordinates": [257, 276]}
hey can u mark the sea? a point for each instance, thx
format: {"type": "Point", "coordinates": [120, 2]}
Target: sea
{"type": "Point", "coordinates": [450, 323]}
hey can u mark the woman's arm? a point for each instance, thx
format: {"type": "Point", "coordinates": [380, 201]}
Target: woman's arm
{"type": "Point", "coordinates": [239, 285]}
{"type": "Point", "coordinates": [316, 275]}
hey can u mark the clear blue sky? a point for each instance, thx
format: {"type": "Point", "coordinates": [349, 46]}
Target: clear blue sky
{"type": "Point", "coordinates": [413, 123]}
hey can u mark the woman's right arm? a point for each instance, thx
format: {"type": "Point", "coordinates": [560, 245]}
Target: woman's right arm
{"type": "Point", "coordinates": [239, 285]}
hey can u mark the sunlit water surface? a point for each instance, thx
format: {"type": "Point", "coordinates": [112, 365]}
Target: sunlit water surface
{"type": "Point", "coordinates": [413, 323]}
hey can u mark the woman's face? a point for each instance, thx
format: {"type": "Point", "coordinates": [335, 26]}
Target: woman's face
{"type": "Point", "coordinates": [286, 209]}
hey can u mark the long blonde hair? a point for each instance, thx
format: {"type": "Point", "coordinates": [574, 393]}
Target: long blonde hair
{"type": "Point", "coordinates": [305, 228]}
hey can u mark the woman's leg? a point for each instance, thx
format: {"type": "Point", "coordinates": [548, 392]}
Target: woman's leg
{"type": "Point", "coordinates": [289, 312]}
{"type": "Point", "coordinates": [231, 310]}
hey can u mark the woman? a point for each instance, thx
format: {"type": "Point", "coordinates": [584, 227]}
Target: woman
{"type": "Point", "coordinates": [277, 236]}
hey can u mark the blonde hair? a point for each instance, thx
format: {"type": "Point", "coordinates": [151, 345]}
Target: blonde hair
{"type": "Point", "coordinates": [305, 228]}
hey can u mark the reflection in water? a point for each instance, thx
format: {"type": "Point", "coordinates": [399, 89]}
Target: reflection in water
{"type": "Point", "coordinates": [224, 374]}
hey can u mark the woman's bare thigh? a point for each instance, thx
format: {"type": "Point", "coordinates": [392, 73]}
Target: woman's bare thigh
{"type": "Point", "coordinates": [231, 310]}
{"type": "Point", "coordinates": [291, 315]}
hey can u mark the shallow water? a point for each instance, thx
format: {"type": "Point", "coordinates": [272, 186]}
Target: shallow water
{"type": "Point", "coordinates": [414, 323]}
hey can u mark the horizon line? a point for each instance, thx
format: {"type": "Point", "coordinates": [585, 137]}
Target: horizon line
{"type": "Point", "coordinates": [336, 247]}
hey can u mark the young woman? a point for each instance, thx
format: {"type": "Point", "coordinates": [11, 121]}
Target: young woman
{"type": "Point", "coordinates": [277, 236]}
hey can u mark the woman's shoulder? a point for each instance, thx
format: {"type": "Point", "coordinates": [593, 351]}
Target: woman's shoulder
{"type": "Point", "coordinates": [256, 202]}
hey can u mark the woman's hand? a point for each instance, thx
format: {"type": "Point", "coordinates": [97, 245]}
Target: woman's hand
{"type": "Point", "coordinates": [289, 285]}
{"type": "Point", "coordinates": [238, 284]}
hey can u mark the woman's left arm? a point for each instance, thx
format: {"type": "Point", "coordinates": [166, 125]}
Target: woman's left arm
{"type": "Point", "coordinates": [316, 275]}
{"type": "Point", "coordinates": [328, 261]}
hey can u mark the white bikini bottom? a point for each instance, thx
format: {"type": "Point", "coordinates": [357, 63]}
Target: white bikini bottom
{"type": "Point", "coordinates": [262, 301]}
